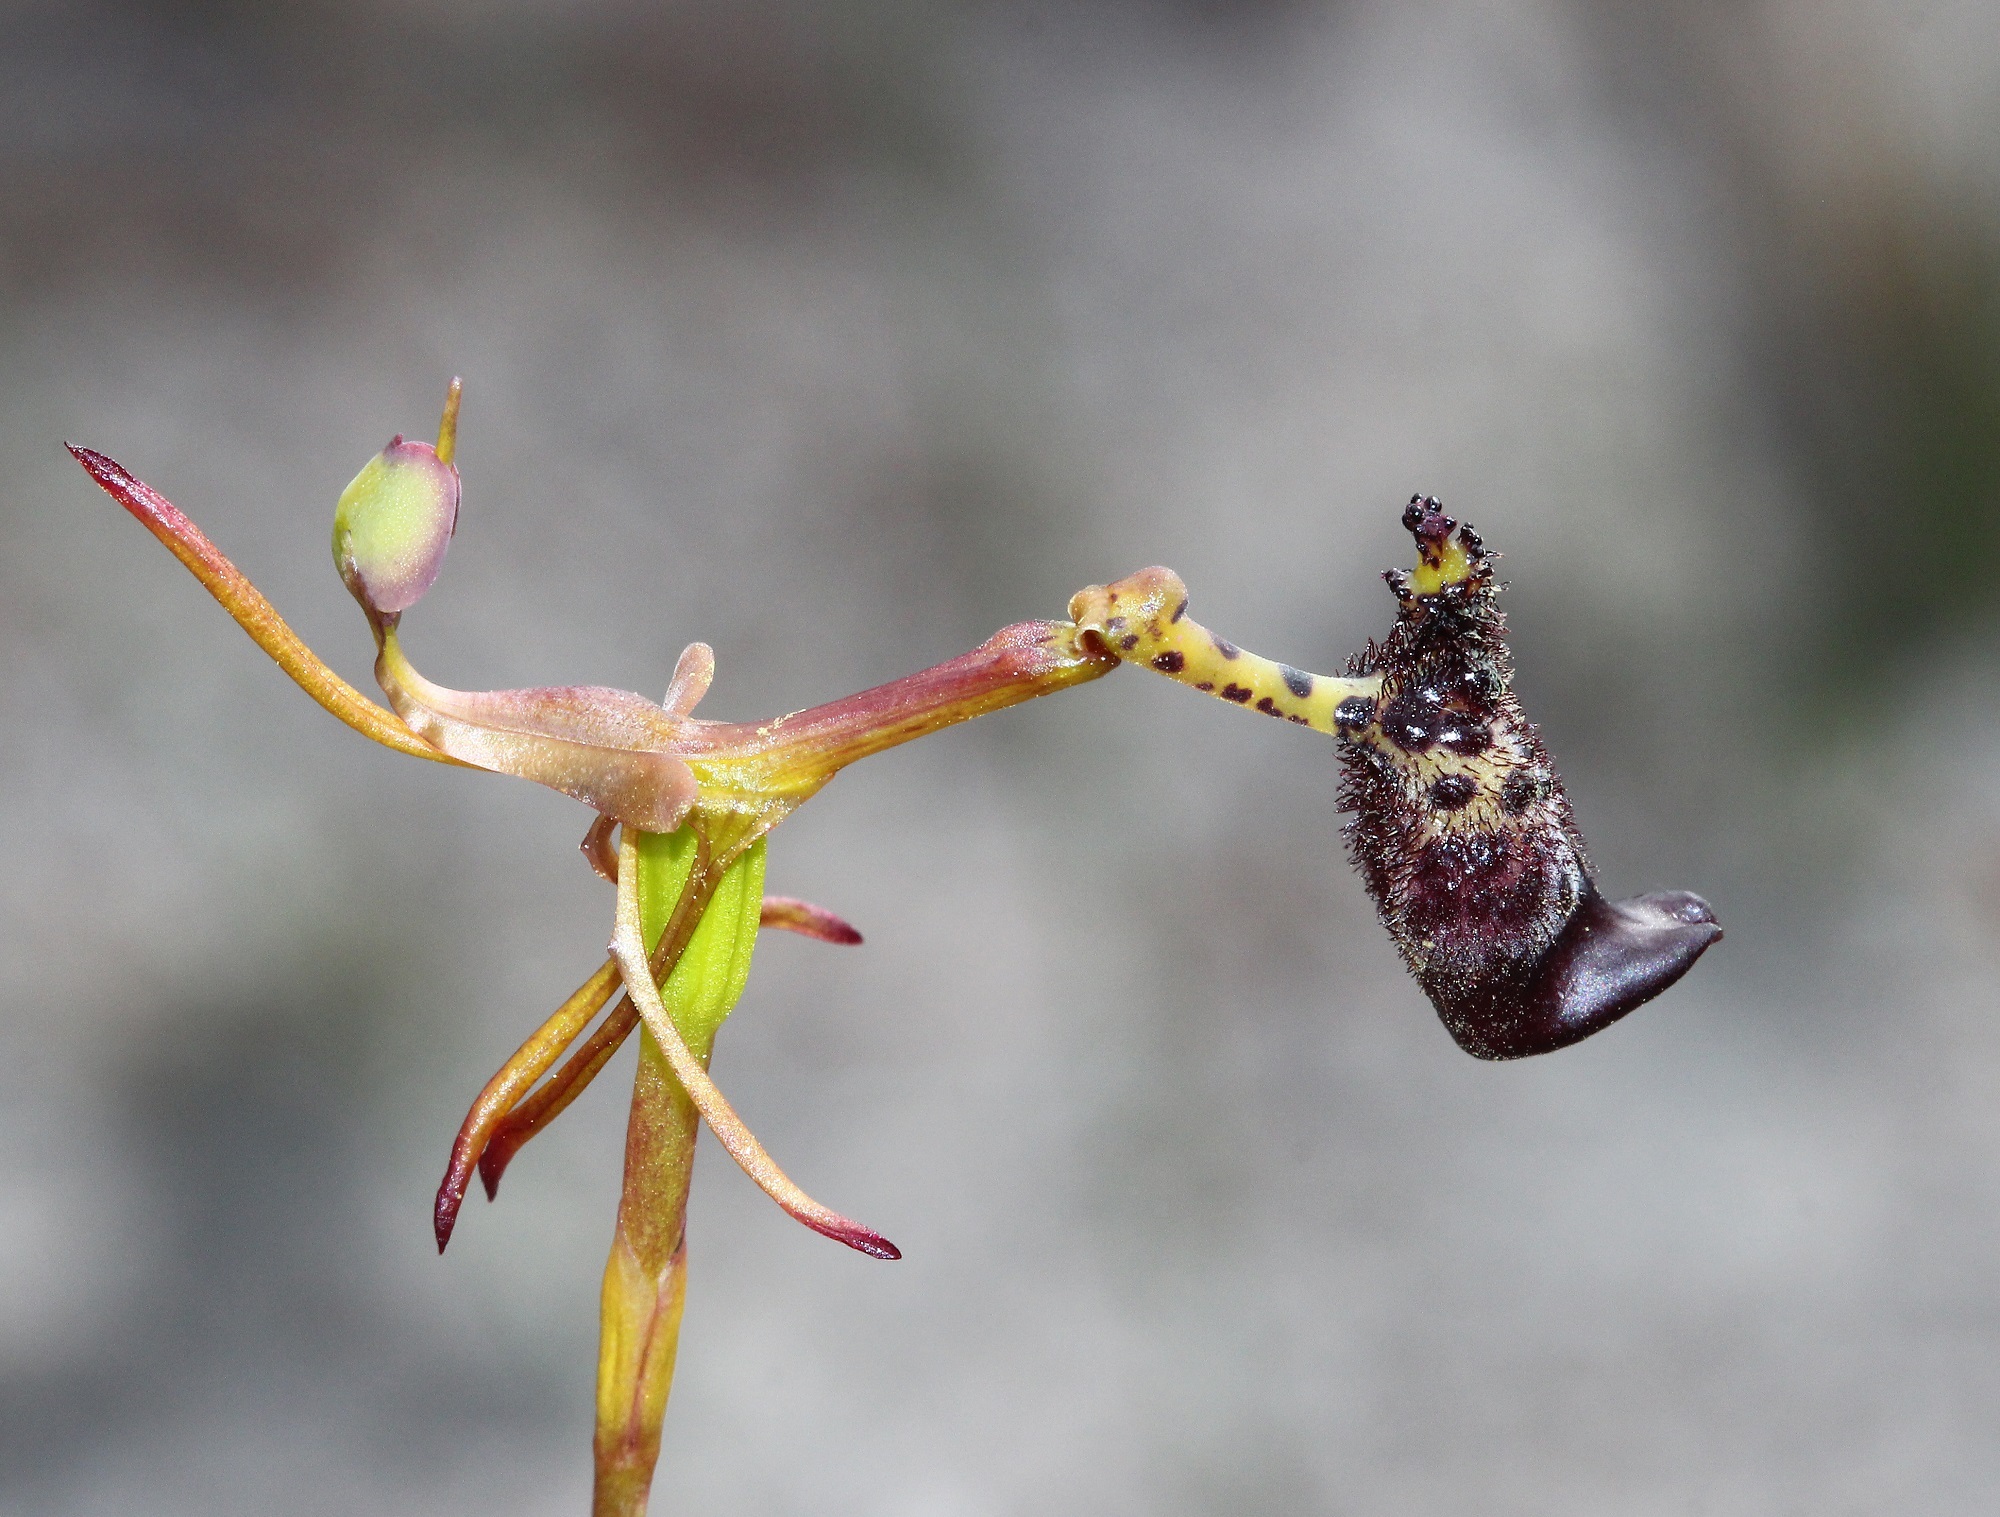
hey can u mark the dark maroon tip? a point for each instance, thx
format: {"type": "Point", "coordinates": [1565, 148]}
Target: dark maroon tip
{"type": "Point", "coordinates": [1424, 519]}
{"type": "Point", "coordinates": [856, 1237]}
{"type": "Point", "coordinates": [104, 470]}
{"type": "Point", "coordinates": [1613, 957]}
{"type": "Point", "coordinates": [450, 1197]}
{"type": "Point", "coordinates": [493, 1164]}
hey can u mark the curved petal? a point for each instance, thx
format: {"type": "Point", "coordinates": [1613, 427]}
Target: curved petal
{"type": "Point", "coordinates": [608, 748]}
{"type": "Point", "coordinates": [791, 914]}
{"type": "Point", "coordinates": [629, 948]}
{"type": "Point", "coordinates": [692, 672]}
{"type": "Point", "coordinates": [504, 1091]}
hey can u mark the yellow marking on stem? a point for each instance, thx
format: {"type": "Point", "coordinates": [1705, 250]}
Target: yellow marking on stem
{"type": "Point", "coordinates": [1143, 619]}
{"type": "Point", "coordinates": [628, 946]}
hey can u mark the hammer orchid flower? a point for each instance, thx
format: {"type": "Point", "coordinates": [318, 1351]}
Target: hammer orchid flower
{"type": "Point", "coordinates": [1455, 805]}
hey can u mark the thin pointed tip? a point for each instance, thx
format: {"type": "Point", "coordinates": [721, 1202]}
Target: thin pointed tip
{"type": "Point", "coordinates": [125, 487]}
{"type": "Point", "coordinates": [99, 465]}
{"type": "Point", "coordinates": [444, 1214]}
{"type": "Point", "coordinates": [791, 914]}
{"type": "Point", "coordinates": [447, 443]}
{"type": "Point", "coordinates": [492, 1165]}
{"type": "Point", "coordinates": [861, 1239]}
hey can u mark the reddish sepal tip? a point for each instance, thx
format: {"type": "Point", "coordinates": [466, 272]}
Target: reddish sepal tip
{"type": "Point", "coordinates": [858, 1238]}
{"type": "Point", "coordinates": [492, 1165]}
{"type": "Point", "coordinates": [108, 472]}
{"type": "Point", "coordinates": [444, 1214]}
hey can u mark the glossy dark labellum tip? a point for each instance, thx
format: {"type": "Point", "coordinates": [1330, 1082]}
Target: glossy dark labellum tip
{"type": "Point", "coordinates": [1611, 958]}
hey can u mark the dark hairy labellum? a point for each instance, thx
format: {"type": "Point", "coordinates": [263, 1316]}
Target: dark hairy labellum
{"type": "Point", "coordinates": [1464, 837]}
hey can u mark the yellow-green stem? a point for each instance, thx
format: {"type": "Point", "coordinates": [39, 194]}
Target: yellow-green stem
{"type": "Point", "coordinates": [645, 1280]}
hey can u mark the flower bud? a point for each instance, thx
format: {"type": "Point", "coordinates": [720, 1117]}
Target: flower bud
{"type": "Point", "coordinates": [394, 522]}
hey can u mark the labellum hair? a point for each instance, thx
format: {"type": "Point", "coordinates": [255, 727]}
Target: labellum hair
{"type": "Point", "coordinates": [1464, 837]}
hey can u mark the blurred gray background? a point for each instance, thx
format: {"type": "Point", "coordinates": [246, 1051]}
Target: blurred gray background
{"type": "Point", "coordinates": [838, 336]}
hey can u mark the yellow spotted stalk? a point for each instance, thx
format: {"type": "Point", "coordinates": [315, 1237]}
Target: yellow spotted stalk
{"type": "Point", "coordinates": [1143, 619]}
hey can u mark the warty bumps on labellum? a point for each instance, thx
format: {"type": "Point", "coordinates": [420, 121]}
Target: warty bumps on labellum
{"type": "Point", "coordinates": [1460, 828]}
{"type": "Point", "coordinates": [1464, 837]}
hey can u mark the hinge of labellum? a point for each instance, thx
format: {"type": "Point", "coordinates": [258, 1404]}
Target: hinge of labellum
{"type": "Point", "coordinates": [1142, 619]}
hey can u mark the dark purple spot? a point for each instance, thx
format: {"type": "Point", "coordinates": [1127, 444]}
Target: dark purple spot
{"type": "Point", "coordinates": [1452, 791]}
{"type": "Point", "coordinates": [1462, 734]}
{"type": "Point", "coordinates": [1129, 643]}
{"type": "Point", "coordinates": [1355, 711]}
{"type": "Point", "coordinates": [1179, 612]}
{"type": "Point", "coordinates": [1169, 663]}
{"type": "Point", "coordinates": [1406, 722]}
{"type": "Point", "coordinates": [1269, 707]}
{"type": "Point", "coordinates": [1206, 685]}
{"type": "Point", "coordinates": [1519, 790]}
{"type": "Point", "coordinates": [1297, 681]}
{"type": "Point", "coordinates": [1225, 647]}
{"type": "Point", "coordinates": [1237, 693]}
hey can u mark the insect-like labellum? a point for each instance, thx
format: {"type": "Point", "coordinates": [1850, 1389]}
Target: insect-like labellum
{"type": "Point", "coordinates": [1464, 837]}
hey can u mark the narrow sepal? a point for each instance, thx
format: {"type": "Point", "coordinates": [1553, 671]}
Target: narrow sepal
{"type": "Point", "coordinates": [628, 946]}
{"type": "Point", "coordinates": [530, 1061]}
{"type": "Point", "coordinates": [552, 1099]}
{"type": "Point", "coordinates": [790, 914]}
{"type": "Point", "coordinates": [254, 614]}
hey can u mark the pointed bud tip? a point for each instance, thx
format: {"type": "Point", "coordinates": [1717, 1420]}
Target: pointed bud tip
{"type": "Point", "coordinates": [447, 443]}
{"type": "Point", "coordinates": [393, 525]}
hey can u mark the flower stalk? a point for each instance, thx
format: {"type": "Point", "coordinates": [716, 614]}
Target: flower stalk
{"type": "Point", "coordinates": [675, 891]}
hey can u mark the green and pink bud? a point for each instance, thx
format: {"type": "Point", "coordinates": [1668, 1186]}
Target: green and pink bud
{"type": "Point", "coordinates": [395, 519]}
